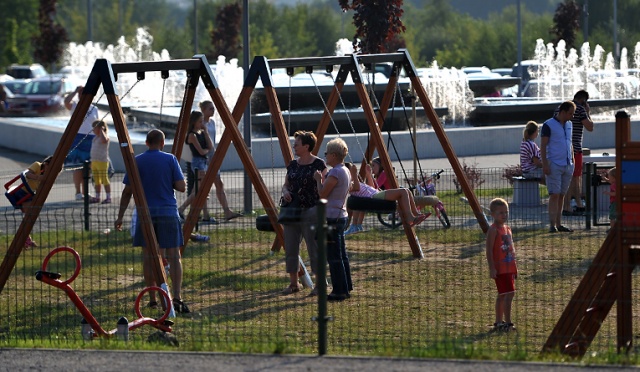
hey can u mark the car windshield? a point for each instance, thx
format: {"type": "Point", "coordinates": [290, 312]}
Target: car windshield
{"type": "Point", "coordinates": [42, 87]}
{"type": "Point", "coordinates": [14, 86]}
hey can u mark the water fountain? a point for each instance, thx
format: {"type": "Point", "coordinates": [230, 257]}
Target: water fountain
{"type": "Point", "coordinates": [557, 74]}
{"type": "Point", "coordinates": [146, 96]}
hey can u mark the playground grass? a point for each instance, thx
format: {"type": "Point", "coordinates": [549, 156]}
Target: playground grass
{"type": "Point", "coordinates": [440, 306]}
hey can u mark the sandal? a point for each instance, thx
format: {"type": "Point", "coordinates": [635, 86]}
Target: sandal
{"type": "Point", "coordinates": [419, 219]}
{"type": "Point", "coordinates": [291, 289]}
{"type": "Point", "coordinates": [180, 307]}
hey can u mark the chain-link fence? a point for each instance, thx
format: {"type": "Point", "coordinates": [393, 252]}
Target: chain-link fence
{"type": "Point", "coordinates": [442, 304]}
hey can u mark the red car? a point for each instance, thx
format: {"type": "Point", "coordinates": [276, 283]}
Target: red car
{"type": "Point", "coordinates": [41, 96]}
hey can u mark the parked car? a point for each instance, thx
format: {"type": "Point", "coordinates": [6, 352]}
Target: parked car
{"type": "Point", "coordinates": [41, 96]}
{"type": "Point", "coordinates": [15, 85]}
{"type": "Point", "coordinates": [26, 71]}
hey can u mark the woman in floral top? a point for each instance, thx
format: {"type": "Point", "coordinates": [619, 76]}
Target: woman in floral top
{"type": "Point", "coordinates": [299, 183]}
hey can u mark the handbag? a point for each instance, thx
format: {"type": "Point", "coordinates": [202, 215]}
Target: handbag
{"type": "Point", "coordinates": [290, 212]}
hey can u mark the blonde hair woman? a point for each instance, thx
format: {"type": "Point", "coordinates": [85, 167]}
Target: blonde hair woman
{"type": "Point", "coordinates": [335, 188]}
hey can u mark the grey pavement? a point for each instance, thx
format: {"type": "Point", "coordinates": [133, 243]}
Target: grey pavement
{"type": "Point", "coordinates": [103, 360]}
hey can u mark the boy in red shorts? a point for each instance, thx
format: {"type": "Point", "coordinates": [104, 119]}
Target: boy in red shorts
{"type": "Point", "coordinates": [501, 257]}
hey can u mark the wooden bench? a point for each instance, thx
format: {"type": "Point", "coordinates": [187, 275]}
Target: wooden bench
{"type": "Point", "coordinates": [526, 191]}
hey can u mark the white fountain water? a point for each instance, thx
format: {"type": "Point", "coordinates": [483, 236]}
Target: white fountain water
{"type": "Point", "coordinates": [150, 92]}
{"type": "Point", "coordinates": [557, 75]}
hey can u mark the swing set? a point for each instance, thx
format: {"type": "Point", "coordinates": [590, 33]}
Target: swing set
{"type": "Point", "coordinates": [104, 74]}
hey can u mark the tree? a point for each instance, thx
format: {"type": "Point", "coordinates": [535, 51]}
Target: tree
{"type": "Point", "coordinates": [376, 21]}
{"type": "Point", "coordinates": [49, 43]}
{"type": "Point", "coordinates": [566, 22]}
{"type": "Point", "coordinates": [225, 37]}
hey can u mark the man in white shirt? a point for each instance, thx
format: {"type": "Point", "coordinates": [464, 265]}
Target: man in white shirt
{"type": "Point", "coordinates": [81, 146]}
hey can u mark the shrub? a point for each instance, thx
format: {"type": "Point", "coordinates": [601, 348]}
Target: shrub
{"type": "Point", "coordinates": [512, 171]}
{"type": "Point", "coordinates": [474, 176]}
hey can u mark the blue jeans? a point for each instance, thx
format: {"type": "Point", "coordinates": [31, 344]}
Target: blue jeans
{"type": "Point", "coordinates": [337, 257]}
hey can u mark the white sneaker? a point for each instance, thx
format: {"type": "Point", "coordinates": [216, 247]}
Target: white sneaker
{"type": "Point", "coordinates": [79, 196]}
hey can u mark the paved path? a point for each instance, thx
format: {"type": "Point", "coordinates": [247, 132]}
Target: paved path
{"type": "Point", "coordinates": [101, 360]}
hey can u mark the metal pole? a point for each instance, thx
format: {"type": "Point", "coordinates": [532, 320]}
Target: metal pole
{"type": "Point", "coordinates": [195, 26]}
{"type": "Point", "coordinates": [415, 126]}
{"type": "Point", "coordinates": [520, 70]}
{"type": "Point", "coordinates": [86, 175]}
{"type": "Point", "coordinates": [321, 281]}
{"type": "Point", "coordinates": [585, 26]}
{"type": "Point", "coordinates": [120, 18]}
{"type": "Point", "coordinates": [89, 20]}
{"type": "Point", "coordinates": [616, 48]}
{"type": "Point", "coordinates": [248, 187]}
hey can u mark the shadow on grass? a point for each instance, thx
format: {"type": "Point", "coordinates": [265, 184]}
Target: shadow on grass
{"type": "Point", "coordinates": [252, 306]}
{"type": "Point", "coordinates": [561, 271]}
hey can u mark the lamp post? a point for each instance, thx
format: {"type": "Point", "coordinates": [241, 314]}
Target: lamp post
{"type": "Point", "coordinates": [195, 27]}
{"type": "Point", "coordinates": [520, 71]}
{"type": "Point", "coordinates": [585, 22]}
{"type": "Point", "coordinates": [89, 20]}
{"type": "Point", "coordinates": [616, 47]}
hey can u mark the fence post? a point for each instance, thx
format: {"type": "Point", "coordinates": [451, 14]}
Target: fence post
{"type": "Point", "coordinates": [587, 180]}
{"type": "Point", "coordinates": [321, 276]}
{"type": "Point", "coordinates": [86, 175]}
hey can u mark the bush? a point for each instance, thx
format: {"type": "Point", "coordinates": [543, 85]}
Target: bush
{"type": "Point", "coordinates": [512, 171]}
{"type": "Point", "coordinates": [474, 176]}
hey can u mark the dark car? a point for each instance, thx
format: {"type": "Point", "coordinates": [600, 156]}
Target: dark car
{"type": "Point", "coordinates": [41, 96]}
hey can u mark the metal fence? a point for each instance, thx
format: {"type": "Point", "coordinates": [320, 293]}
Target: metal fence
{"type": "Point", "coordinates": [232, 283]}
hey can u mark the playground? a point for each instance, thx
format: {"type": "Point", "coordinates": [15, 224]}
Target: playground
{"type": "Point", "coordinates": [438, 306]}
{"type": "Point", "coordinates": [419, 291]}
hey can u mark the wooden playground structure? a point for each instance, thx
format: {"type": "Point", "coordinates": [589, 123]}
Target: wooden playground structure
{"type": "Point", "coordinates": [104, 74]}
{"type": "Point", "coordinates": [608, 279]}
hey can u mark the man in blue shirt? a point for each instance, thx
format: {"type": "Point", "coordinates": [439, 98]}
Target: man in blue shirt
{"type": "Point", "coordinates": [160, 175]}
{"type": "Point", "coordinates": [556, 150]}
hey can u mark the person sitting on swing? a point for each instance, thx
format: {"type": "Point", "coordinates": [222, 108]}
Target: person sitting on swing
{"type": "Point", "coordinates": [367, 189]}
{"type": "Point", "coordinates": [382, 182]}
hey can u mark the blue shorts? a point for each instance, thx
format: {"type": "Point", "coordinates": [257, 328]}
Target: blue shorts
{"type": "Point", "coordinates": [199, 164]}
{"type": "Point", "coordinates": [168, 232]}
{"type": "Point", "coordinates": [80, 150]}
{"type": "Point", "coordinates": [559, 178]}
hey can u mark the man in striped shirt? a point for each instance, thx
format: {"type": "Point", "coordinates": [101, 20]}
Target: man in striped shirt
{"type": "Point", "coordinates": [581, 120]}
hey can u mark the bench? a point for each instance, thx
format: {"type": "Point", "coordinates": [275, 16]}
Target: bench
{"type": "Point", "coordinates": [526, 191]}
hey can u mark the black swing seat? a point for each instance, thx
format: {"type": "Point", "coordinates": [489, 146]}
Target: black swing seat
{"type": "Point", "coordinates": [358, 203]}
{"type": "Point", "coordinates": [19, 193]}
{"type": "Point", "coordinates": [263, 223]}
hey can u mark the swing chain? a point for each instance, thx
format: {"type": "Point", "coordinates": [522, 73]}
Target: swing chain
{"type": "Point", "coordinates": [353, 129]}
{"type": "Point", "coordinates": [324, 104]}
